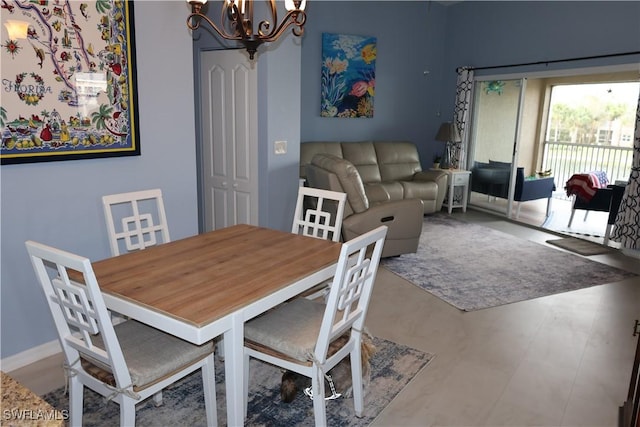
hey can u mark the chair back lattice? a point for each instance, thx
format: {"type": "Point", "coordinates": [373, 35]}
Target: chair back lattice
{"type": "Point", "coordinates": [78, 310]}
{"type": "Point", "coordinates": [352, 287]}
{"type": "Point", "coordinates": [135, 220]}
{"type": "Point", "coordinates": [319, 213]}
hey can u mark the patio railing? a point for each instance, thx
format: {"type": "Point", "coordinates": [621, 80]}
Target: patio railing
{"type": "Point", "coordinates": [566, 159]}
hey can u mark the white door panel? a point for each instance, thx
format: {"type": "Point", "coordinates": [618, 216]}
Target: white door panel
{"type": "Point", "coordinates": [229, 117]}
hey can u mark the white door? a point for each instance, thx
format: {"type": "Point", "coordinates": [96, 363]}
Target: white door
{"type": "Point", "coordinates": [229, 139]}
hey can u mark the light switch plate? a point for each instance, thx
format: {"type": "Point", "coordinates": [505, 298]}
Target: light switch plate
{"type": "Point", "coordinates": [280, 147]}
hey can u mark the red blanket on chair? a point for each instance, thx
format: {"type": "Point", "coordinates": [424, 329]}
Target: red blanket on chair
{"type": "Point", "coordinates": [584, 185]}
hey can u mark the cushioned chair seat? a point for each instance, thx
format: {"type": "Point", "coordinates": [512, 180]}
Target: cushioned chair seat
{"type": "Point", "coordinates": [152, 354]}
{"type": "Point", "coordinates": [298, 320]}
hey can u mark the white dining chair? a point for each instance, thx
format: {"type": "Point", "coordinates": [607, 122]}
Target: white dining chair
{"type": "Point", "coordinates": [126, 363]}
{"type": "Point", "coordinates": [135, 220]}
{"type": "Point", "coordinates": [319, 213]}
{"type": "Point", "coordinates": [296, 335]}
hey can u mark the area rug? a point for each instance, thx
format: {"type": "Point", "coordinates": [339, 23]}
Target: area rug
{"type": "Point", "coordinates": [474, 267]}
{"type": "Point", "coordinates": [579, 246]}
{"type": "Point", "coordinates": [392, 367]}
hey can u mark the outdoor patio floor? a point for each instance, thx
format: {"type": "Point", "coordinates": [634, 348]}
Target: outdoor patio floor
{"type": "Point", "coordinates": [533, 213]}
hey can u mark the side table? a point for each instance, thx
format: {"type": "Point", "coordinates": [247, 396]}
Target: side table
{"type": "Point", "coordinates": [456, 178]}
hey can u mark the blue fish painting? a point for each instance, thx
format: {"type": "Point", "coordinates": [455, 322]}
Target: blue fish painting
{"type": "Point", "coordinates": [348, 75]}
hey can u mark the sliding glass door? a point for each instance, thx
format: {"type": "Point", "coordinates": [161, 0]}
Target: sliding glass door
{"type": "Point", "coordinates": [493, 153]}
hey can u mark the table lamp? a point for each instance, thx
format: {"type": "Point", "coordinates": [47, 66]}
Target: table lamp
{"type": "Point", "coordinates": [448, 133]}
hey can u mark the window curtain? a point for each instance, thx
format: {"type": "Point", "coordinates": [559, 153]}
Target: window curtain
{"type": "Point", "coordinates": [627, 226]}
{"type": "Point", "coordinates": [464, 91]}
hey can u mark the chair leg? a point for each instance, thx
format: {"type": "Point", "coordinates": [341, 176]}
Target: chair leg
{"type": "Point", "coordinates": [548, 207]}
{"type": "Point", "coordinates": [573, 212]}
{"type": "Point", "coordinates": [585, 215]}
{"type": "Point", "coordinates": [157, 399]}
{"type": "Point", "coordinates": [607, 233]}
{"type": "Point", "coordinates": [317, 384]}
{"type": "Point", "coordinates": [356, 380]}
{"type": "Point", "coordinates": [128, 412]}
{"type": "Point", "coordinates": [518, 210]}
{"type": "Point", "coordinates": [220, 348]}
{"type": "Point", "coordinates": [209, 387]}
{"type": "Point", "coordinates": [76, 397]}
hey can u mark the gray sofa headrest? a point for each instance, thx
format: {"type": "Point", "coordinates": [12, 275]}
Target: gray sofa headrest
{"type": "Point", "coordinates": [348, 177]}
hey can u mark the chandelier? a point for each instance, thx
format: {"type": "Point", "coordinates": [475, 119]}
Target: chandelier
{"type": "Point", "coordinates": [236, 20]}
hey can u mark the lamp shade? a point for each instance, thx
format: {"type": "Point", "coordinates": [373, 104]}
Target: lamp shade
{"type": "Point", "coordinates": [448, 132]}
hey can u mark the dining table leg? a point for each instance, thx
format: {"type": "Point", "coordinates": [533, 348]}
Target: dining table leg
{"type": "Point", "coordinates": [234, 370]}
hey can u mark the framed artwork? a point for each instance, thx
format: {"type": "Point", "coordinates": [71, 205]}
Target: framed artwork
{"type": "Point", "coordinates": [68, 80]}
{"type": "Point", "coordinates": [348, 75]}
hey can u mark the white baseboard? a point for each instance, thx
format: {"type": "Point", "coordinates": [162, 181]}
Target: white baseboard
{"type": "Point", "coordinates": [30, 356]}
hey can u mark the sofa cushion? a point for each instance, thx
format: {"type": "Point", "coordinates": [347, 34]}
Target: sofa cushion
{"type": "Point", "coordinates": [363, 157]}
{"type": "Point", "coordinates": [397, 160]}
{"type": "Point", "coordinates": [376, 193]}
{"type": "Point", "coordinates": [349, 178]}
{"type": "Point", "coordinates": [394, 189]}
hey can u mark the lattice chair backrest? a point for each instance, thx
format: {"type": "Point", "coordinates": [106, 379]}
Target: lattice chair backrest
{"type": "Point", "coordinates": [319, 213]}
{"type": "Point", "coordinates": [351, 289]}
{"type": "Point", "coordinates": [135, 220]}
{"type": "Point", "coordinates": [78, 310]}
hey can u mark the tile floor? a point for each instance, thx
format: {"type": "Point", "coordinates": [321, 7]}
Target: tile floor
{"type": "Point", "coordinates": [561, 360]}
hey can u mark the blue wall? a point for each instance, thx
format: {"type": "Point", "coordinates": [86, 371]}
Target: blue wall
{"type": "Point", "coordinates": [59, 203]}
{"type": "Point", "coordinates": [409, 43]}
{"type": "Point", "coordinates": [484, 33]}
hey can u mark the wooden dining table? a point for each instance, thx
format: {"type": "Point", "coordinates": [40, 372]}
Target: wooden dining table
{"type": "Point", "coordinates": [208, 285]}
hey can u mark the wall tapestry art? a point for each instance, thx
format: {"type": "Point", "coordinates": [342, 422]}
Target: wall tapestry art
{"type": "Point", "coordinates": [348, 75]}
{"type": "Point", "coordinates": [68, 80]}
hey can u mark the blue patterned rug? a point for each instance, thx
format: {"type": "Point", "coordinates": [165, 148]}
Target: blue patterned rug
{"type": "Point", "coordinates": [392, 367]}
{"type": "Point", "coordinates": [474, 267]}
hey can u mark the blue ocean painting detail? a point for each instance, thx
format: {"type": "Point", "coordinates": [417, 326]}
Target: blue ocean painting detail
{"type": "Point", "coordinates": [348, 75]}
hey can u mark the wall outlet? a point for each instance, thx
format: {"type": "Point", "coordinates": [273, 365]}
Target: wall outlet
{"type": "Point", "coordinates": [280, 147]}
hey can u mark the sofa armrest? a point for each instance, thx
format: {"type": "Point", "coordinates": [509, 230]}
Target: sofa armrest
{"type": "Point", "coordinates": [430, 175]}
{"type": "Point", "coordinates": [440, 178]}
{"type": "Point", "coordinates": [533, 189]}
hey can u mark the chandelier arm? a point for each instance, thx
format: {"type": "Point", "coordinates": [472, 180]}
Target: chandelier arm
{"type": "Point", "coordinates": [233, 14]}
{"type": "Point", "coordinates": [197, 17]}
{"type": "Point", "coordinates": [264, 25]}
{"type": "Point", "coordinates": [297, 18]}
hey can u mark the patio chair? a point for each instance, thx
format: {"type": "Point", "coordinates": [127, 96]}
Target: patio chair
{"type": "Point", "coordinates": [305, 348]}
{"type": "Point", "coordinates": [126, 363]}
{"type": "Point", "coordinates": [590, 192]}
